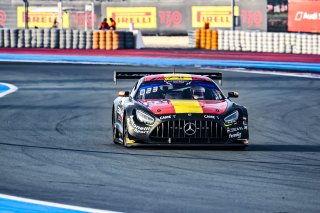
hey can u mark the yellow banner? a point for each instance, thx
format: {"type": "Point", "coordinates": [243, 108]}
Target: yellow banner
{"type": "Point", "coordinates": [42, 17]}
{"type": "Point", "coordinates": [141, 17]}
{"type": "Point", "coordinates": [217, 16]}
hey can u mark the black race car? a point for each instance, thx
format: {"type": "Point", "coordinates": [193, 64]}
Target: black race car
{"type": "Point", "coordinates": [178, 109]}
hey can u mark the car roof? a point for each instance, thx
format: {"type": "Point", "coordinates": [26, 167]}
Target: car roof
{"type": "Point", "coordinates": [176, 77]}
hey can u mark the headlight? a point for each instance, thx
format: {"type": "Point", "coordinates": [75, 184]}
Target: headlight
{"type": "Point", "coordinates": [232, 118]}
{"type": "Point", "coordinates": [144, 117]}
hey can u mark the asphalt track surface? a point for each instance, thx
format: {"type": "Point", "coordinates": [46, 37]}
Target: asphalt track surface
{"type": "Point", "coordinates": [55, 145]}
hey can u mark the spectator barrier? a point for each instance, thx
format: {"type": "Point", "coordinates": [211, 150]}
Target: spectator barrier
{"type": "Point", "coordinates": [253, 41]}
{"type": "Point", "coordinates": [66, 39]}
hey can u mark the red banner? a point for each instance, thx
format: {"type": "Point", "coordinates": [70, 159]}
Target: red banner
{"type": "Point", "coordinates": [304, 16]}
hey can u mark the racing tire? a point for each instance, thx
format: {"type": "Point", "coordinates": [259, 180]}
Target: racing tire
{"type": "Point", "coordinates": [114, 129]}
{"type": "Point", "coordinates": [125, 133]}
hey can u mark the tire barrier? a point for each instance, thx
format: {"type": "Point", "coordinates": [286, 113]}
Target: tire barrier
{"type": "Point", "coordinates": [66, 39]}
{"type": "Point", "coordinates": [14, 38]}
{"type": "Point", "coordinates": [21, 43]}
{"type": "Point", "coordinates": [34, 38]}
{"type": "Point", "coordinates": [47, 38]}
{"type": "Point", "coordinates": [55, 38]}
{"type": "Point", "coordinates": [1, 38]}
{"type": "Point", "coordinates": [75, 39]}
{"type": "Point", "coordinates": [82, 39]}
{"type": "Point", "coordinates": [27, 38]}
{"type": "Point", "coordinates": [40, 38]}
{"type": "Point", "coordinates": [89, 40]}
{"type": "Point", "coordinates": [109, 40]}
{"type": "Point", "coordinates": [115, 40]}
{"type": "Point", "coordinates": [252, 41]}
{"type": "Point", "coordinates": [102, 40]}
{"type": "Point", "coordinates": [62, 39]}
{"type": "Point", "coordinates": [129, 40]}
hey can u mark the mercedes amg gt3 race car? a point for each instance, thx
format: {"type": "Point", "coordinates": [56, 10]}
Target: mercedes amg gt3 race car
{"type": "Point", "coordinates": [178, 109]}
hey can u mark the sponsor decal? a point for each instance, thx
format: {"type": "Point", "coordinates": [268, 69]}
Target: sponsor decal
{"type": "Point", "coordinates": [217, 16]}
{"type": "Point", "coordinates": [304, 16]}
{"type": "Point", "coordinates": [141, 17]}
{"type": "Point", "coordinates": [245, 121]}
{"type": "Point", "coordinates": [235, 129]}
{"type": "Point", "coordinates": [120, 111]}
{"type": "Point", "coordinates": [42, 17]}
{"type": "Point", "coordinates": [210, 116]}
{"type": "Point", "coordinates": [165, 117]}
{"type": "Point", "coordinates": [120, 118]}
{"type": "Point", "coordinates": [136, 128]}
{"type": "Point", "coordinates": [236, 135]}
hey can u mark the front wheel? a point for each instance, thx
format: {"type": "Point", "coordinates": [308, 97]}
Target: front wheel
{"type": "Point", "coordinates": [124, 133]}
{"type": "Point", "coordinates": [114, 129]}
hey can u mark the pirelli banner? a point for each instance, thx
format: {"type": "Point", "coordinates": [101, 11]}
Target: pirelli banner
{"type": "Point", "coordinates": [41, 17]}
{"type": "Point", "coordinates": [142, 17]}
{"type": "Point", "coordinates": [179, 17]}
{"type": "Point", "coordinates": [217, 16]}
{"type": "Point", "coordinates": [304, 16]}
{"type": "Point", "coordinates": [161, 16]}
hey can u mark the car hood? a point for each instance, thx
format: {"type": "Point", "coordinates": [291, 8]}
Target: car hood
{"type": "Point", "coordinates": [162, 107]}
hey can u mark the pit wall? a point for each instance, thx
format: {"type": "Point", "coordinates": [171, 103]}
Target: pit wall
{"type": "Point", "coordinates": [66, 39]}
{"type": "Point", "coordinates": [295, 43]}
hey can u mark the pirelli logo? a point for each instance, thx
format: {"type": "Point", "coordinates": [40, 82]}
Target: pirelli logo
{"type": "Point", "coordinates": [42, 17]}
{"type": "Point", "coordinates": [141, 17]}
{"type": "Point", "coordinates": [217, 16]}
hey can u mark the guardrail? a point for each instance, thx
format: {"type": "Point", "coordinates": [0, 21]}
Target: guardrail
{"type": "Point", "coordinates": [295, 43]}
{"type": "Point", "coordinates": [66, 39]}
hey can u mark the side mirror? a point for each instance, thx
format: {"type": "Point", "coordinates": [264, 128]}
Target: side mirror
{"type": "Point", "coordinates": [123, 93]}
{"type": "Point", "coordinates": [233, 94]}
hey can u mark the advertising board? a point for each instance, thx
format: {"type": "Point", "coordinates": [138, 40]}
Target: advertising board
{"type": "Point", "coordinates": [217, 16]}
{"type": "Point", "coordinates": [304, 16]}
{"type": "Point", "coordinates": [141, 17]}
{"type": "Point", "coordinates": [42, 17]}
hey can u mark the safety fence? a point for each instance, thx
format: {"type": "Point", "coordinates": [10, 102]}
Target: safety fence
{"type": "Point", "coordinates": [252, 41]}
{"type": "Point", "coordinates": [66, 39]}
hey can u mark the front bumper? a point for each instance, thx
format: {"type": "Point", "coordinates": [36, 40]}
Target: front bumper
{"type": "Point", "coordinates": [173, 132]}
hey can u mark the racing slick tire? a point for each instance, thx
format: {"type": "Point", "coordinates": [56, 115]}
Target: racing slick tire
{"type": "Point", "coordinates": [114, 129]}
{"type": "Point", "coordinates": [125, 133]}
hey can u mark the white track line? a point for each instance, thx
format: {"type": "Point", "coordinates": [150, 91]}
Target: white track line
{"type": "Point", "coordinates": [57, 205]}
{"type": "Point", "coordinates": [12, 89]}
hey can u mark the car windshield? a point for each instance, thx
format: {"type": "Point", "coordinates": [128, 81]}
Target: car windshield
{"type": "Point", "coordinates": [185, 90]}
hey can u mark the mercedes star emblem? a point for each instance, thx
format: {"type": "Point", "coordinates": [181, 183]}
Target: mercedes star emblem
{"type": "Point", "coordinates": [189, 128]}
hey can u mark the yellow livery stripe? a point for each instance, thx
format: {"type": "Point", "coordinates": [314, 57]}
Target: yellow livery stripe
{"type": "Point", "coordinates": [186, 106]}
{"type": "Point", "coordinates": [177, 77]}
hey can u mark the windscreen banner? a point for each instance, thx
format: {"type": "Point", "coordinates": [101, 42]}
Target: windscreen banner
{"type": "Point", "coordinates": [304, 16]}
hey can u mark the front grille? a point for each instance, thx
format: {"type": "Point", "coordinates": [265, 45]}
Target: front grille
{"type": "Point", "coordinates": [174, 132]}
